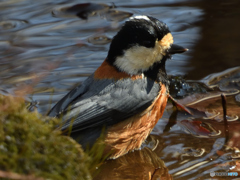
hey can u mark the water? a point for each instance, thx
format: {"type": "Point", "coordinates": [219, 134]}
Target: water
{"type": "Point", "coordinates": [46, 51]}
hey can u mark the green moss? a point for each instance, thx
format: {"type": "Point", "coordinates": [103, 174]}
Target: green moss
{"type": "Point", "coordinates": [30, 144]}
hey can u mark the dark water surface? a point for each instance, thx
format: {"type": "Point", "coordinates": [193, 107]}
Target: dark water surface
{"type": "Point", "coordinates": [50, 50]}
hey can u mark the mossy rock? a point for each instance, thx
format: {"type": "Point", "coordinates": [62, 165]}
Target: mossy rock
{"type": "Point", "coordinates": [31, 145]}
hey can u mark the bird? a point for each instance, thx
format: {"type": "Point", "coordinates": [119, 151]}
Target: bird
{"type": "Point", "coordinates": [126, 96]}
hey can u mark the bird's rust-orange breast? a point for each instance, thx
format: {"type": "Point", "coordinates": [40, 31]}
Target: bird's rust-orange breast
{"type": "Point", "coordinates": [131, 133]}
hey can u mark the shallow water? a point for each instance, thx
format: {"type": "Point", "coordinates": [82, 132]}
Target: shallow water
{"type": "Point", "coordinates": [46, 51]}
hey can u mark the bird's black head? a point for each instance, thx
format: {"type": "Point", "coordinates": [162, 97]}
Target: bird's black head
{"type": "Point", "coordinates": [142, 42]}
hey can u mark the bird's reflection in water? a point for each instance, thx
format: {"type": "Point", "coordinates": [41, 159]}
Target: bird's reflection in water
{"type": "Point", "coordinates": [139, 165]}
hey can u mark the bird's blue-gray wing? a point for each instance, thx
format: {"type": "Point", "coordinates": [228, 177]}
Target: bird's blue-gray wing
{"type": "Point", "coordinates": [104, 102]}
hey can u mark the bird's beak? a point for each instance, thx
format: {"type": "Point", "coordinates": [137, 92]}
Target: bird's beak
{"type": "Point", "coordinates": [176, 49]}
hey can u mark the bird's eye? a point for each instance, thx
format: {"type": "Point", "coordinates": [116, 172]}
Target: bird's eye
{"type": "Point", "coordinates": [148, 44]}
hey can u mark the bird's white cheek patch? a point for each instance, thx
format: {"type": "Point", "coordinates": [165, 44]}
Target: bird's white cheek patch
{"type": "Point", "coordinates": [138, 58]}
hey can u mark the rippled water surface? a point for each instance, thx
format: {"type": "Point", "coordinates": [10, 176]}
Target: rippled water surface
{"type": "Point", "coordinates": [46, 50]}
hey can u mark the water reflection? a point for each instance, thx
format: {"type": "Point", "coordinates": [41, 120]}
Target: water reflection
{"type": "Point", "coordinates": [217, 50]}
{"type": "Point", "coordinates": [144, 164]}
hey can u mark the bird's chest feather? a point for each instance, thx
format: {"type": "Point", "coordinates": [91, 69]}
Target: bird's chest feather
{"type": "Point", "coordinates": [131, 133]}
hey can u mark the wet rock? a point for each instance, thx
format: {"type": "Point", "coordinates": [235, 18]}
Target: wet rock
{"type": "Point", "coordinates": [86, 10]}
{"type": "Point", "coordinates": [30, 145]}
